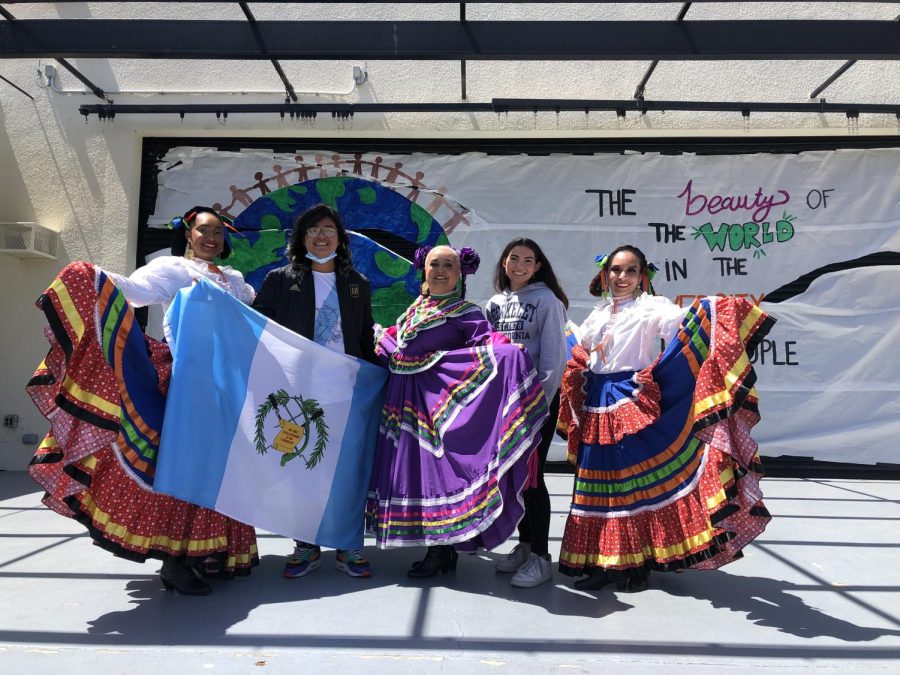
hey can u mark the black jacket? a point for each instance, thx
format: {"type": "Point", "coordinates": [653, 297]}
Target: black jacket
{"type": "Point", "coordinates": [288, 296]}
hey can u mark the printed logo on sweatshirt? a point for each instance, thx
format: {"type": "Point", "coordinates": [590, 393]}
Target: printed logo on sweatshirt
{"type": "Point", "coordinates": [511, 319]}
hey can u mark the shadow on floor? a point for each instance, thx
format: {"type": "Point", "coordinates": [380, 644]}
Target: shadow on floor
{"type": "Point", "coordinates": [16, 484]}
{"type": "Point", "coordinates": [164, 618]}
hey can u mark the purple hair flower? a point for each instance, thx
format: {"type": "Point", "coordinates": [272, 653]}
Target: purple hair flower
{"type": "Point", "coordinates": [421, 253]}
{"type": "Point", "coordinates": [469, 260]}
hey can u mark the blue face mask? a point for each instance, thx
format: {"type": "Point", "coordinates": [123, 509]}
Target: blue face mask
{"type": "Point", "coordinates": [321, 261]}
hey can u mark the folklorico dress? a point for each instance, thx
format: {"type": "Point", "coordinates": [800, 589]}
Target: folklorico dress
{"type": "Point", "coordinates": [102, 386]}
{"type": "Point", "coordinates": [461, 419]}
{"type": "Point", "coordinates": [667, 475]}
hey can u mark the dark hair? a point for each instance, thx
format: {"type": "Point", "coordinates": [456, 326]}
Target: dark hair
{"type": "Point", "coordinates": [595, 288]}
{"type": "Point", "coordinates": [296, 250]}
{"type": "Point", "coordinates": [544, 273]}
{"type": "Point", "coordinates": [181, 226]}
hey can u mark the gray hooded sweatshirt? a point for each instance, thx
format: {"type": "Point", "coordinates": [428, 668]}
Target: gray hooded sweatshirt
{"type": "Point", "coordinates": [535, 318]}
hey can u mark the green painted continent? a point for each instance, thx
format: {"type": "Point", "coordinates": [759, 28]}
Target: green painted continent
{"type": "Point", "coordinates": [246, 258]}
{"type": "Point", "coordinates": [391, 265]}
{"type": "Point", "coordinates": [330, 189]}
{"type": "Point", "coordinates": [390, 302]}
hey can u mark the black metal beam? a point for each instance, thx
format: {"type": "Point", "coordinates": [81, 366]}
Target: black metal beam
{"type": "Point", "coordinates": [9, 17]}
{"type": "Point", "coordinates": [497, 105]}
{"type": "Point", "coordinates": [418, 2]}
{"type": "Point", "coordinates": [831, 78]}
{"type": "Point", "coordinates": [15, 86]}
{"type": "Point", "coordinates": [462, 64]}
{"type": "Point", "coordinates": [299, 110]}
{"type": "Point", "coordinates": [629, 105]}
{"type": "Point", "coordinates": [97, 91]}
{"type": "Point", "coordinates": [639, 91]}
{"type": "Point", "coordinates": [836, 74]}
{"type": "Point", "coordinates": [288, 87]}
{"type": "Point", "coordinates": [452, 40]}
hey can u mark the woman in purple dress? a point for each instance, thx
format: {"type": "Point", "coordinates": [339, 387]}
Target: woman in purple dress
{"type": "Point", "coordinates": [461, 420]}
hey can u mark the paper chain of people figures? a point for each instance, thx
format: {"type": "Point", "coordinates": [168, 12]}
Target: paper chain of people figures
{"type": "Point", "coordinates": [340, 166]}
{"type": "Point", "coordinates": [666, 471]}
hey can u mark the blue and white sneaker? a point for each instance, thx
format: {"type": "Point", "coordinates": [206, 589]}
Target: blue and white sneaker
{"type": "Point", "coordinates": [304, 559]}
{"type": "Point", "coordinates": [353, 563]}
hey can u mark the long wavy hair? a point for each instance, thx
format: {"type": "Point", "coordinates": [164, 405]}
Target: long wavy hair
{"type": "Point", "coordinates": [297, 247]}
{"type": "Point", "coordinates": [181, 225]}
{"type": "Point", "coordinates": [598, 285]}
{"type": "Point", "coordinates": [544, 273]}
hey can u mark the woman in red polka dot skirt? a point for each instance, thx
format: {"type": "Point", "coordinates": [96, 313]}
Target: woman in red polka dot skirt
{"type": "Point", "coordinates": [667, 475]}
{"type": "Point", "coordinates": [102, 387]}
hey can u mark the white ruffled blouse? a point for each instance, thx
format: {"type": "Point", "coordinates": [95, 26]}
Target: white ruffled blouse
{"type": "Point", "coordinates": [159, 280]}
{"type": "Point", "coordinates": [629, 337]}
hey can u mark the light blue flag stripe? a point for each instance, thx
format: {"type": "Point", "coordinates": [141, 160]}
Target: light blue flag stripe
{"type": "Point", "coordinates": [211, 387]}
{"type": "Point", "coordinates": [346, 501]}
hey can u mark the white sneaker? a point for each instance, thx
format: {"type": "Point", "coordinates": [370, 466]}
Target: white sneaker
{"type": "Point", "coordinates": [514, 559]}
{"type": "Point", "coordinates": [534, 572]}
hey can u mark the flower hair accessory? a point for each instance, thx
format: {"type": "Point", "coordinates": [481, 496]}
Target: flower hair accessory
{"type": "Point", "coordinates": [421, 253]}
{"type": "Point", "coordinates": [645, 283]}
{"type": "Point", "coordinates": [177, 223]}
{"type": "Point", "coordinates": [469, 260]}
{"type": "Point", "coordinates": [599, 285]}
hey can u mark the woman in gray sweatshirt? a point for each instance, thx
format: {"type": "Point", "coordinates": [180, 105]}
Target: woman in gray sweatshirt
{"type": "Point", "coordinates": [530, 309]}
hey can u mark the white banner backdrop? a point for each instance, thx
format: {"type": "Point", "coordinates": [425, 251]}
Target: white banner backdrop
{"type": "Point", "coordinates": [723, 224]}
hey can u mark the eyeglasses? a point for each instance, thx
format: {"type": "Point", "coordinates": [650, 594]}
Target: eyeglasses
{"type": "Point", "coordinates": [322, 232]}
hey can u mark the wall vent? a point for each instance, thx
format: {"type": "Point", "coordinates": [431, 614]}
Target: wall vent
{"type": "Point", "coordinates": [28, 240]}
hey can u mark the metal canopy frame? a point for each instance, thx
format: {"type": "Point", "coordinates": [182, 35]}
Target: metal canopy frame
{"type": "Point", "coordinates": [497, 105]}
{"type": "Point", "coordinates": [710, 40]}
{"type": "Point", "coordinates": [462, 40]}
{"type": "Point", "coordinates": [97, 91]}
{"type": "Point", "coordinates": [419, 2]}
{"type": "Point", "coordinates": [834, 76]}
{"type": "Point", "coordinates": [254, 26]}
{"type": "Point", "coordinates": [639, 91]}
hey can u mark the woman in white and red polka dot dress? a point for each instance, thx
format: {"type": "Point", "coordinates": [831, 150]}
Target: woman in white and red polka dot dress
{"type": "Point", "coordinates": [80, 463]}
{"type": "Point", "coordinates": [659, 484]}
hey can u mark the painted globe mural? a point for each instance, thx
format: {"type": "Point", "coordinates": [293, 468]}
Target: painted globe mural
{"type": "Point", "coordinates": [385, 229]}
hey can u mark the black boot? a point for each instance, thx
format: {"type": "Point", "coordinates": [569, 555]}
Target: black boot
{"type": "Point", "coordinates": [176, 576]}
{"type": "Point", "coordinates": [598, 578]}
{"type": "Point", "coordinates": [436, 558]}
{"type": "Point", "coordinates": [637, 579]}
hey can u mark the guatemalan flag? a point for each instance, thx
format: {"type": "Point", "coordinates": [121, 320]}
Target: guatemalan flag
{"type": "Point", "coordinates": [264, 425]}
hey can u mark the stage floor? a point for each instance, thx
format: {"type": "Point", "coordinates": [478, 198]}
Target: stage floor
{"type": "Point", "coordinates": [819, 592]}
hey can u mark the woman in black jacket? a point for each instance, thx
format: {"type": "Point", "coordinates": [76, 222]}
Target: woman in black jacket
{"type": "Point", "coordinates": [320, 296]}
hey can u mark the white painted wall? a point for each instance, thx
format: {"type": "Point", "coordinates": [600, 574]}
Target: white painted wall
{"type": "Point", "coordinates": [82, 179]}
